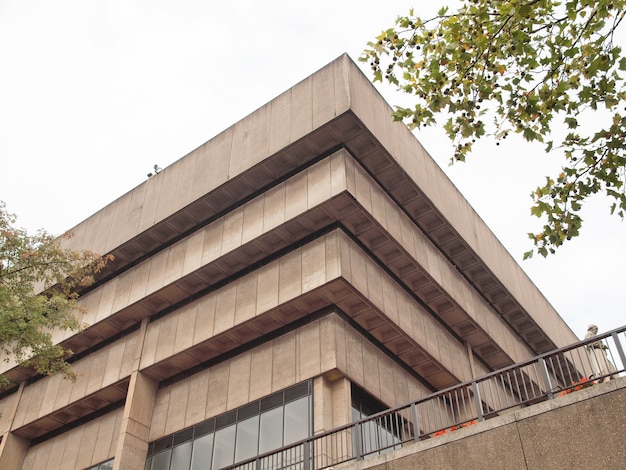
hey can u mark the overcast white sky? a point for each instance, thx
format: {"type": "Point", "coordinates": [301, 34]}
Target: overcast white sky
{"type": "Point", "coordinates": [94, 93]}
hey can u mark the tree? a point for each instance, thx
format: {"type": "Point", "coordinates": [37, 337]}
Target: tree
{"type": "Point", "coordinates": [27, 317]}
{"type": "Point", "coordinates": [493, 68]}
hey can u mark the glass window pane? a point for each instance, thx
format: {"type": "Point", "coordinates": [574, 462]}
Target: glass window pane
{"type": "Point", "coordinates": [108, 465]}
{"type": "Point", "coordinates": [181, 456]}
{"type": "Point", "coordinates": [161, 461]}
{"type": "Point", "coordinates": [202, 452]}
{"type": "Point", "coordinates": [297, 420]}
{"type": "Point", "coordinates": [224, 447]}
{"type": "Point", "coordinates": [271, 435]}
{"type": "Point", "coordinates": [247, 438]}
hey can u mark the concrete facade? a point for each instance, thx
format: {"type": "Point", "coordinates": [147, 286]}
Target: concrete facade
{"type": "Point", "coordinates": [315, 240]}
{"type": "Point", "coordinates": [583, 429]}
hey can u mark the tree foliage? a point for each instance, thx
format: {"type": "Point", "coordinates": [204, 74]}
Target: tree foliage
{"type": "Point", "coordinates": [550, 71]}
{"type": "Point", "coordinates": [31, 263]}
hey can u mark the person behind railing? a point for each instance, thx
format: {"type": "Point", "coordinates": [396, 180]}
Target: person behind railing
{"type": "Point", "coordinates": [597, 352]}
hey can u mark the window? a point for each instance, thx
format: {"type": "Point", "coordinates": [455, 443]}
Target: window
{"type": "Point", "coordinates": [108, 465]}
{"type": "Point", "coordinates": [383, 433]}
{"type": "Point", "coordinates": [261, 426]}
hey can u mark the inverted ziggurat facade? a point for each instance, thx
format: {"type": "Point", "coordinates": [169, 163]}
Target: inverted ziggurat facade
{"type": "Point", "coordinates": [308, 265]}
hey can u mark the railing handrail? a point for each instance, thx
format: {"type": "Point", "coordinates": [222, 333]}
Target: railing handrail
{"type": "Point", "coordinates": [440, 393]}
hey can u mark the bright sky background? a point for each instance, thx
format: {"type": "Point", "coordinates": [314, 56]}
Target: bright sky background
{"type": "Point", "coordinates": [94, 93]}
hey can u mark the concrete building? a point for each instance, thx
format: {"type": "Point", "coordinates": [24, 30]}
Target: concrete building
{"type": "Point", "coordinates": [308, 264]}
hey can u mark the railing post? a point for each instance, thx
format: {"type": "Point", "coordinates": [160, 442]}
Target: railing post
{"type": "Point", "coordinates": [358, 447]}
{"type": "Point", "coordinates": [546, 377]}
{"type": "Point", "coordinates": [479, 403]}
{"type": "Point", "coordinates": [416, 424]}
{"type": "Point", "coordinates": [620, 349]}
{"type": "Point", "coordinates": [307, 456]}
{"type": "Point", "coordinates": [258, 464]}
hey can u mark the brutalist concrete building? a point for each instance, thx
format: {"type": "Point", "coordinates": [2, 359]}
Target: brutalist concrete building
{"type": "Point", "coordinates": [308, 265]}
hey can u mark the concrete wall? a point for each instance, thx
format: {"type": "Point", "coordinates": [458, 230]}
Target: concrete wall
{"type": "Point", "coordinates": [81, 447]}
{"type": "Point", "coordinates": [324, 346]}
{"type": "Point", "coordinates": [584, 429]}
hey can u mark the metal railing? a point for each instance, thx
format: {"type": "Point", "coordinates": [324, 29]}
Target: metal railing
{"type": "Point", "coordinates": [558, 372]}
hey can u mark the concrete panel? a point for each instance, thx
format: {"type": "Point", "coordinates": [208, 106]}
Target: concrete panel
{"type": "Point", "coordinates": [167, 335]}
{"type": "Point", "coordinates": [114, 362]}
{"type": "Point", "coordinates": [108, 430]}
{"type": "Point", "coordinates": [239, 381]}
{"type": "Point", "coordinates": [178, 408]}
{"type": "Point", "coordinates": [290, 275]}
{"type": "Point", "coordinates": [213, 234]}
{"type": "Point", "coordinates": [139, 283]}
{"type": "Point", "coordinates": [318, 183]}
{"type": "Point", "coordinates": [280, 121]}
{"type": "Point", "coordinates": [158, 270]}
{"type": "Point", "coordinates": [218, 389]}
{"type": "Point", "coordinates": [205, 318]}
{"type": "Point", "coordinates": [323, 102]}
{"type": "Point", "coordinates": [354, 359]}
{"type": "Point", "coordinates": [313, 264]}
{"type": "Point", "coordinates": [225, 308]}
{"type": "Point", "coordinates": [13, 450]}
{"type": "Point", "coordinates": [296, 195]}
{"type": "Point", "coordinates": [212, 163]}
{"type": "Point", "coordinates": [51, 388]}
{"type": "Point", "coordinates": [498, 449]}
{"type": "Point", "coordinates": [233, 230]}
{"type": "Point", "coordinates": [159, 413]}
{"type": "Point", "coordinates": [151, 202]}
{"type": "Point", "coordinates": [150, 344]}
{"type": "Point", "coordinates": [87, 444]}
{"type": "Point", "coordinates": [372, 377]}
{"type": "Point", "coordinates": [169, 201]}
{"type": "Point", "coordinates": [196, 406]}
{"type": "Point", "coordinates": [308, 352]}
{"type": "Point", "coordinates": [252, 220]}
{"type": "Point", "coordinates": [301, 109]}
{"type": "Point", "coordinates": [588, 433]}
{"type": "Point", "coordinates": [185, 328]}
{"type": "Point", "coordinates": [284, 359]}
{"type": "Point", "coordinates": [250, 141]}
{"type": "Point", "coordinates": [175, 262]}
{"type": "Point", "coordinates": [267, 287]}
{"type": "Point", "coordinates": [246, 299]}
{"type": "Point", "coordinates": [194, 246]}
{"type": "Point", "coordinates": [122, 290]}
{"type": "Point", "coordinates": [99, 238]}
{"type": "Point", "coordinates": [105, 307]}
{"type": "Point", "coordinates": [125, 227]}
{"type": "Point", "coordinates": [274, 207]}
{"type": "Point", "coordinates": [261, 371]}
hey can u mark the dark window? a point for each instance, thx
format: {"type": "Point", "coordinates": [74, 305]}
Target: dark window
{"type": "Point", "coordinates": [108, 465]}
{"type": "Point", "coordinates": [280, 419]}
{"type": "Point", "coordinates": [381, 434]}
{"type": "Point", "coordinates": [202, 452]}
{"type": "Point", "coordinates": [181, 456]}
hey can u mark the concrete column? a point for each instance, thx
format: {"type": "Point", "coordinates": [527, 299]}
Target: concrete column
{"type": "Point", "coordinates": [132, 445]}
{"type": "Point", "coordinates": [332, 406]}
{"type": "Point", "coordinates": [470, 355]}
{"type": "Point", "coordinates": [332, 401]}
{"type": "Point", "coordinates": [13, 448]}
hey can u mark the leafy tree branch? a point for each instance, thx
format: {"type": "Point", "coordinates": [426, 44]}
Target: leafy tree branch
{"type": "Point", "coordinates": [39, 284]}
{"type": "Point", "coordinates": [543, 69]}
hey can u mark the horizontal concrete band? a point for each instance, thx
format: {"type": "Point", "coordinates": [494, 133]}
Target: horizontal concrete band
{"type": "Point", "coordinates": [336, 106]}
{"type": "Point", "coordinates": [250, 232]}
{"type": "Point", "coordinates": [326, 271]}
